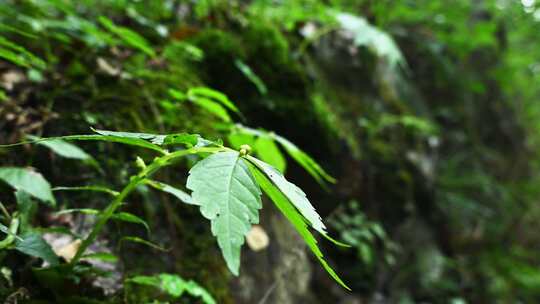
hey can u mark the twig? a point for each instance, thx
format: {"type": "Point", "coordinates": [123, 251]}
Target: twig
{"type": "Point", "coordinates": [4, 210]}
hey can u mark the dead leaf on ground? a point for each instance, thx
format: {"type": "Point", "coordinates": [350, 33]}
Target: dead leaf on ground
{"type": "Point", "coordinates": [257, 239]}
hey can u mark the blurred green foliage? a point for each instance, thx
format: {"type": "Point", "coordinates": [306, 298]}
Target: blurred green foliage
{"type": "Point", "coordinates": [440, 149]}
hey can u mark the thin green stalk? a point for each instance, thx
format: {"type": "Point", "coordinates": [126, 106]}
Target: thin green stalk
{"type": "Point", "coordinates": [158, 163]}
{"type": "Point", "coordinates": [4, 211]}
{"type": "Point", "coordinates": [13, 226]}
{"type": "Point", "coordinates": [89, 188]}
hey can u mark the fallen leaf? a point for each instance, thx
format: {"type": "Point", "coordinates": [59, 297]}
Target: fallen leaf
{"type": "Point", "coordinates": [257, 239]}
{"type": "Point", "coordinates": [107, 68]}
{"type": "Point", "coordinates": [68, 251]}
{"type": "Point", "coordinates": [10, 79]}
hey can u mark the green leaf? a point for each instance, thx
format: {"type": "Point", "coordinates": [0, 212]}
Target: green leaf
{"type": "Point", "coordinates": [130, 218]}
{"type": "Point", "coordinates": [196, 290]}
{"type": "Point", "coordinates": [206, 98]}
{"type": "Point", "coordinates": [229, 197]}
{"type": "Point", "coordinates": [181, 195]}
{"type": "Point", "coordinates": [120, 216]}
{"type": "Point", "coordinates": [365, 253]}
{"type": "Point", "coordinates": [11, 233]}
{"type": "Point", "coordinates": [301, 157]}
{"type": "Point", "coordinates": [268, 151]}
{"type": "Point", "coordinates": [174, 285]}
{"type": "Point", "coordinates": [295, 195]}
{"type": "Point", "coordinates": [373, 38]}
{"type": "Point", "coordinates": [212, 107]}
{"type": "Point", "coordinates": [237, 139]}
{"type": "Point", "coordinates": [88, 211]}
{"type": "Point", "coordinates": [145, 140]}
{"type": "Point", "coordinates": [208, 93]}
{"type": "Point", "coordinates": [285, 206]}
{"type": "Point", "coordinates": [113, 138]}
{"type": "Point", "coordinates": [208, 143]}
{"type": "Point", "coordinates": [87, 188]}
{"type": "Point", "coordinates": [102, 256]}
{"type": "Point", "coordinates": [29, 181]}
{"type": "Point", "coordinates": [177, 94]}
{"type": "Point", "coordinates": [153, 281]}
{"type": "Point", "coordinates": [194, 53]}
{"type": "Point", "coordinates": [62, 148]}
{"type": "Point", "coordinates": [153, 138]}
{"type": "Point", "coordinates": [3, 96]}
{"type": "Point", "coordinates": [26, 208]}
{"type": "Point", "coordinates": [139, 240]}
{"type": "Point", "coordinates": [186, 139]}
{"type": "Point", "coordinates": [304, 160]}
{"type": "Point", "coordinates": [336, 242]}
{"type": "Point", "coordinates": [189, 140]}
{"type": "Point", "coordinates": [130, 37]}
{"type": "Point", "coordinates": [146, 280]}
{"type": "Point", "coordinates": [16, 30]}
{"type": "Point", "coordinates": [256, 80]}
{"type": "Point", "coordinates": [13, 57]}
{"type": "Point", "coordinates": [19, 55]}
{"type": "Point", "coordinates": [34, 245]}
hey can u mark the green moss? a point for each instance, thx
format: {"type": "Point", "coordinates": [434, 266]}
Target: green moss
{"type": "Point", "coordinates": [220, 47]}
{"type": "Point", "coordinates": [267, 44]}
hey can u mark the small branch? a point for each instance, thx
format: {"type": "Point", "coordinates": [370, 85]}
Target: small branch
{"type": "Point", "coordinates": [4, 211]}
{"type": "Point", "coordinates": [11, 233]}
{"type": "Point", "coordinates": [136, 180]}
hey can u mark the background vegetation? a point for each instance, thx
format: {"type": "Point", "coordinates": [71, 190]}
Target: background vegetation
{"type": "Point", "coordinates": [424, 112]}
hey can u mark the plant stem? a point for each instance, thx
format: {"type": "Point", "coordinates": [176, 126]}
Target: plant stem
{"type": "Point", "coordinates": [158, 163]}
{"type": "Point", "coordinates": [4, 210]}
{"type": "Point", "coordinates": [12, 231]}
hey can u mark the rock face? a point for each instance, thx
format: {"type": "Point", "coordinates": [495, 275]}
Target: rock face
{"type": "Point", "coordinates": [281, 272]}
{"type": "Point", "coordinates": [355, 84]}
